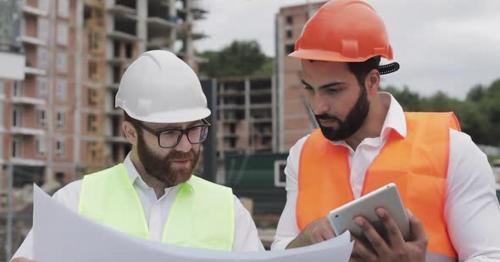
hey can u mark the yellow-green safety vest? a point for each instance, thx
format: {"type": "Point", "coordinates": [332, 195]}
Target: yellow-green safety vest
{"type": "Point", "coordinates": [201, 216]}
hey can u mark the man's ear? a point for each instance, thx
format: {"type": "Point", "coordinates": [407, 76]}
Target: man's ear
{"type": "Point", "coordinates": [130, 132]}
{"type": "Point", "coordinates": [372, 82]}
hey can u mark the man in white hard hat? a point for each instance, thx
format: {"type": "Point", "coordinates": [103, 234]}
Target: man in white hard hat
{"type": "Point", "coordinates": [165, 111]}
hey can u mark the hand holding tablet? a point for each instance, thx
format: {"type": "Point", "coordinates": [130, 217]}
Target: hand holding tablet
{"type": "Point", "coordinates": [381, 227]}
{"type": "Point", "coordinates": [387, 197]}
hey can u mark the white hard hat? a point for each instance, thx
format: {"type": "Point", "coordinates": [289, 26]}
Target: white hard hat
{"type": "Point", "coordinates": [159, 87]}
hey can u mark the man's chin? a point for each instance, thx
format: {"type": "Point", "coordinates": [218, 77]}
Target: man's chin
{"type": "Point", "coordinates": [181, 178]}
{"type": "Point", "coordinates": [182, 174]}
{"type": "Point", "coordinates": [332, 136]}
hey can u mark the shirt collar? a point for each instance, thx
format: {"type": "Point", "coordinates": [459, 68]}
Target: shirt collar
{"type": "Point", "coordinates": [132, 173]}
{"type": "Point", "coordinates": [394, 120]}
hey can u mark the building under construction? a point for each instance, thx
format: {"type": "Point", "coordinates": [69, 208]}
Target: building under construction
{"type": "Point", "coordinates": [295, 118]}
{"type": "Point", "coordinates": [60, 122]}
{"type": "Point", "coordinates": [245, 115]}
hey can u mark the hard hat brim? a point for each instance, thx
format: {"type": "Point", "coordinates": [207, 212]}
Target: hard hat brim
{"type": "Point", "coordinates": [328, 56]}
{"type": "Point", "coordinates": [320, 55]}
{"type": "Point", "coordinates": [176, 116]}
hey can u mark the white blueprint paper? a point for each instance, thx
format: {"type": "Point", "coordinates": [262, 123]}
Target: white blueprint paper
{"type": "Point", "coordinates": [62, 235]}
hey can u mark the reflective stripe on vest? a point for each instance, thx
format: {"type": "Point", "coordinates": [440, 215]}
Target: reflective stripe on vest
{"type": "Point", "coordinates": [417, 164]}
{"type": "Point", "coordinates": [201, 216]}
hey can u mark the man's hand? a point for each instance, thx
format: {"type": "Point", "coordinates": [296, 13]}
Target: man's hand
{"type": "Point", "coordinates": [317, 231]}
{"type": "Point", "coordinates": [396, 248]}
{"type": "Point", "coordinates": [21, 259]}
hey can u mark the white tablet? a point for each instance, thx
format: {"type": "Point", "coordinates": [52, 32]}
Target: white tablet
{"type": "Point", "coordinates": [387, 197]}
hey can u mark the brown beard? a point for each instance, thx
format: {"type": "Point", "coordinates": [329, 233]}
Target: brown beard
{"type": "Point", "coordinates": [351, 124]}
{"type": "Point", "coordinates": [161, 167]}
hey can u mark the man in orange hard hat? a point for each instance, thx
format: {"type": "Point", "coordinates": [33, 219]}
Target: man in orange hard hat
{"type": "Point", "coordinates": [365, 141]}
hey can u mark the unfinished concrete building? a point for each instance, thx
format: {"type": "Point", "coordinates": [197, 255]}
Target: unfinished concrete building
{"type": "Point", "coordinates": [295, 119]}
{"type": "Point", "coordinates": [38, 112]}
{"type": "Point", "coordinates": [60, 122]}
{"type": "Point", "coordinates": [245, 115]}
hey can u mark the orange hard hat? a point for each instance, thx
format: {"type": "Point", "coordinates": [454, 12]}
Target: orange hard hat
{"type": "Point", "coordinates": [343, 31]}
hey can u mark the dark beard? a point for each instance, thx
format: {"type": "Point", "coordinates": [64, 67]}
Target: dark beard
{"type": "Point", "coordinates": [161, 167]}
{"type": "Point", "coordinates": [352, 123]}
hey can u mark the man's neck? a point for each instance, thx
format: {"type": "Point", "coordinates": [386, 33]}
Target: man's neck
{"type": "Point", "coordinates": [372, 126]}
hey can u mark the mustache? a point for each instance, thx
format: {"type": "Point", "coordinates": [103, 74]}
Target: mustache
{"type": "Point", "coordinates": [181, 155]}
{"type": "Point", "coordinates": [326, 116]}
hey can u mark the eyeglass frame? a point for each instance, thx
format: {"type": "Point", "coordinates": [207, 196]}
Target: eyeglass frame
{"type": "Point", "coordinates": [184, 132]}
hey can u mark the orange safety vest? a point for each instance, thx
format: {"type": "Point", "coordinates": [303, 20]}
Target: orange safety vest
{"type": "Point", "coordinates": [417, 164]}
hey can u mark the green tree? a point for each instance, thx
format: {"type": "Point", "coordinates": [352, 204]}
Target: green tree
{"type": "Point", "coordinates": [474, 122]}
{"type": "Point", "coordinates": [240, 58]}
{"type": "Point", "coordinates": [476, 93]}
{"type": "Point", "coordinates": [479, 113]}
{"type": "Point", "coordinates": [439, 102]}
{"type": "Point", "coordinates": [410, 101]}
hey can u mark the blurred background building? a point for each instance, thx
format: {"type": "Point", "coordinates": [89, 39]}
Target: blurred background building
{"type": "Point", "coordinates": [58, 122]}
{"type": "Point", "coordinates": [296, 120]}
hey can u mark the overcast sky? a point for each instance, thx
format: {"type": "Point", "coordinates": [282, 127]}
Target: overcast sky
{"type": "Point", "coordinates": [448, 45]}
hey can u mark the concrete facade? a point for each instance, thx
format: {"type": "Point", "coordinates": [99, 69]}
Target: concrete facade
{"type": "Point", "coordinates": [295, 119]}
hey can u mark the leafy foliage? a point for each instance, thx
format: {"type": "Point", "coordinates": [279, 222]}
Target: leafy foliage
{"type": "Point", "coordinates": [240, 58]}
{"type": "Point", "coordinates": [479, 113]}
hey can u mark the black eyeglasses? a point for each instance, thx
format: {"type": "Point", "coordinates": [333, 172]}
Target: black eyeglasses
{"type": "Point", "coordinates": [170, 137]}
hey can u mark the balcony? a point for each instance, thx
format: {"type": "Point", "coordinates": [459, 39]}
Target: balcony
{"type": "Point", "coordinates": [26, 100]}
{"type": "Point", "coordinates": [116, 139]}
{"type": "Point", "coordinates": [19, 161]}
{"type": "Point", "coordinates": [113, 112]}
{"type": "Point", "coordinates": [159, 22]}
{"type": "Point", "coordinates": [122, 10]}
{"type": "Point", "coordinates": [32, 10]}
{"type": "Point", "coordinates": [34, 71]}
{"type": "Point", "coordinates": [27, 131]}
{"type": "Point", "coordinates": [32, 40]}
{"type": "Point", "coordinates": [261, 106]}
{"type": "Point", "coordinates": [231, 107]}
{"type": "Point", "coordinates": [159, 43]}
{"type": "Point", "coordinates": [261, 92]}
{"type": "Point", "coordinates": [95, 3]}
{"type": "Point", "coordinates": [122, 36]}
{"type": "Point", "coordinates": [231, 93]}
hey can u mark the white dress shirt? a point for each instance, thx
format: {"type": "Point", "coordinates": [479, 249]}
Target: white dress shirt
{"type": "Point", "coordinates": [471, 206]}
{"type": "Point", "coordinates": [156, 212]}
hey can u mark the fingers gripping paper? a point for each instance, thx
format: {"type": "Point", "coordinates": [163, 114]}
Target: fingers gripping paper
{"type": "Point", "coordinates": [62, 235]}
